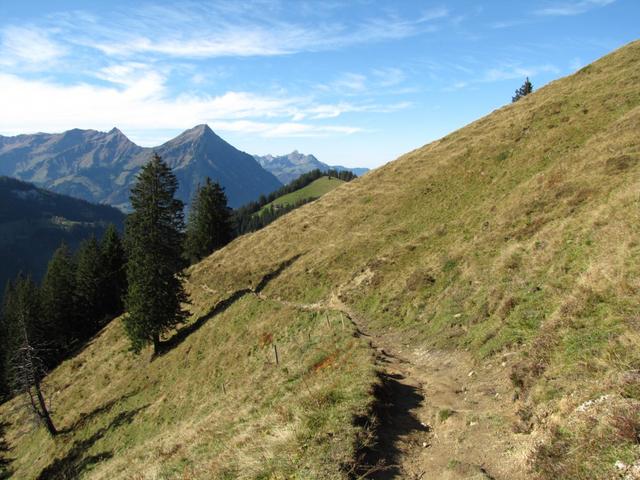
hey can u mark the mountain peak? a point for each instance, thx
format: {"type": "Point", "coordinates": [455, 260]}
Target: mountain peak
{"type": "Point", "coordinates": [195, 134]}
{"type": "Point", "coordinates": [201, 129]}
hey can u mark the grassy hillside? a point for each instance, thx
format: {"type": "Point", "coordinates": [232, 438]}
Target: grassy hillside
{"type": "Point", "coordinates": [512, 243]}
{"type": "Point", "coordinates": [315, 189]}
{"type": "Point", "coordinates": [215, 406]}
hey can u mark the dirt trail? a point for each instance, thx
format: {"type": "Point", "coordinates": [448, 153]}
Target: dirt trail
{"type": "Point", "coordinates": [441, 415]}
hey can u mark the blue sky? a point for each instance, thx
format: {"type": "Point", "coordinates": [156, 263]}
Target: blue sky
{"type": "Point", "coordinates": [353, 82]}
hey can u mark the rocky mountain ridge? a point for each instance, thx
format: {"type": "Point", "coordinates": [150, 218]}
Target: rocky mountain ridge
{"type": "Point", "coordinates": [102, 166]}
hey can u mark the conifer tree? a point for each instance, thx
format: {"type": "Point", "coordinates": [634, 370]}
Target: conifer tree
{"type": "Point", "coordinates": [22, 311]}
{"type": "Point", "coordinates": [153, 239]}
{"type": "Point", "coordinates": [114, 271]}
{"type": "Point", "coordinates": [525, 89]}
{"type": "Point", "coordinates": [58, 300]}
{"type": "Point", "coordinates": [209, 226]}
{"type": "Point", "coordinates": [90, 288]}
{"type": "Point", "coordinates": [5, 389]}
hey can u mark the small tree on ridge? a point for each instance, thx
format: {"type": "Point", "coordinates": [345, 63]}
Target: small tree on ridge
{"type": "Point", "coordinates": [524, 90]}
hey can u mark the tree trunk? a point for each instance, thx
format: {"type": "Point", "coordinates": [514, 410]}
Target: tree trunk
{"type": "Point", "coordinates": [44, 412]}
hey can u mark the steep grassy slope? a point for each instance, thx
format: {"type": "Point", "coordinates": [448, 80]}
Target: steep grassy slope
{"type": "Point", "coordinates": [515, 237]}
{"type": "Point", "coordinates": [315, 189]}
{"type": "Point", "coordinates": [214, 406]}
{"type": "Point", "coordinates": [517, 233]}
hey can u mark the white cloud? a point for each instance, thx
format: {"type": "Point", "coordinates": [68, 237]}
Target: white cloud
{"type": "Point", "coordinates": [142, 106]}
{"type": "Point", "coordinates": [572, 8]}
{"type": "Point", "coordinates": [28, 47]}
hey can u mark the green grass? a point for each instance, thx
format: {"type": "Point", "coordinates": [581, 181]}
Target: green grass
{"type": "Point", "coordinates": [444, 414]}
{"type": "Point", "coordinates": [315, 189]}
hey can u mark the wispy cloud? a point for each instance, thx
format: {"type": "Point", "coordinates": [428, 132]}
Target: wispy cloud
{"type": "Point", "coordinates": [572, 8]}
{"type": "Point", "coordinates": [507, 24]}
{"type": "Point", "coordinates": [350, 82]}
{"type": "Point", "coordinates": [433, 14]}
{"type": "Point", "coordinates": [28, 47]}
{"type": "Point", "coordinates": [218, 30]}
{"type": "Point", "coordinates": [389, 77]}
{"type": "Point", "coordinates": [378, 81]}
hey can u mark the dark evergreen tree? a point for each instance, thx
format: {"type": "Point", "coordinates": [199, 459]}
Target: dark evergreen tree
{"type": "Point", "coordinates": [5, 389]}
{"type": "Point", "coordinates": [525, 89]}
{"type": "Point", "coordinates": [90, 288]}
{"type": "Point", "coordinates": [114, 271]}
{"type": "Point", "coordinates": [209, 226]}
{"type": "Point", "coordinates": [27, 347]}
{"type": "Point", "coordinates": [153, 240]}
{"type": "Point", "coordinates": [64, 328]}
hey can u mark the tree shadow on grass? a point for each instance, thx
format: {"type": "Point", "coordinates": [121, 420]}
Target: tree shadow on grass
{"type": "Point", "coordinates": [87, 417]}
{"type": "Point", "coordinates": [181, 335]}
{"type": "Point", "coordinates": [393, 411]}
{"type": "Point", "coordinates": [75, 461]}
{"type": "Point", "coordinates": [5, 461]}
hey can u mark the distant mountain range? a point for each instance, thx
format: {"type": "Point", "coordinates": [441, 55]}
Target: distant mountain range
{"type": "Point", "coordinates": [34, 221]}
{"type": "Point", "coordinates": [289, 167]}
{"type": "Point", "coordinates": [101, 167]}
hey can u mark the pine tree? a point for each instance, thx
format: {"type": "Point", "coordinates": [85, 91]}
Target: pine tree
{"type": "Point", "coordinates": [153, 239]}
{"type": "Point", "coordinates": [209, 226]}
{"type": "Point", "coordinates": [58, 298]}
{"type": "Point", "coordinates": [5, 389]}
{"type": "Point", "coordinates": [90, 288]}
{"type": "Point", "coordinates": [114, 270]}
{"type": "Point", "coordinates": [525, 89]}
{"type": "Point", "coordinates": [27, 346]}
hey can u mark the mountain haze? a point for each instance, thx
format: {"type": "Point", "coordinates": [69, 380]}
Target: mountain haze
{"type": "Point", "coordinates": [469, 310]}
{"type": "Point", "coordinates": [101, 167]}
{"type": "Point", "coordinates": [291, 166]}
